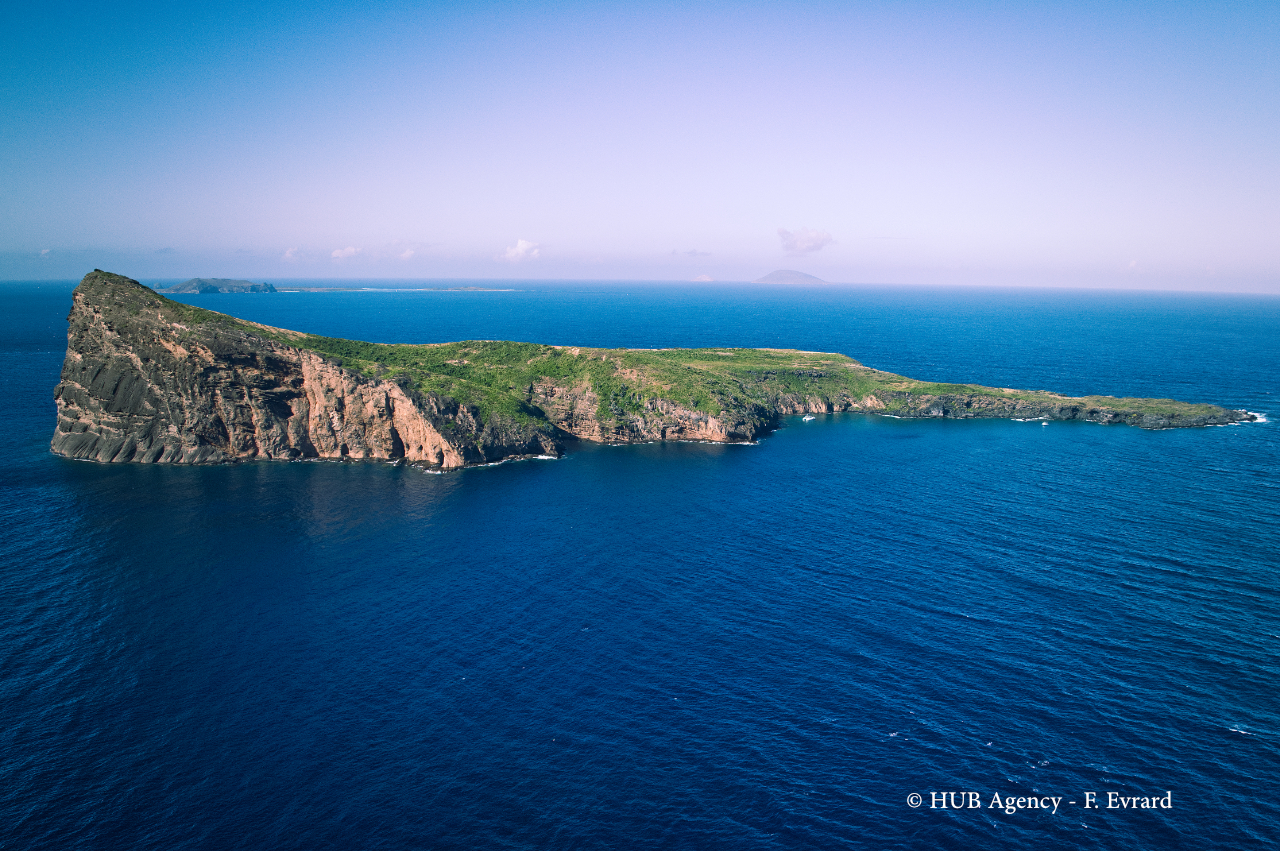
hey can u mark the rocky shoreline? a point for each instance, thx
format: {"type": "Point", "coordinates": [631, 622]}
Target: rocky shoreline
{"type": "Point", "coordinates": [150, 380]}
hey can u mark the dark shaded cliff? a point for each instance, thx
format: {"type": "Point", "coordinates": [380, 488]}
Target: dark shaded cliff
{"type": "Point", "coordinates": [149, 379]}
{"type": "Point", "coordinates": [152, 380]}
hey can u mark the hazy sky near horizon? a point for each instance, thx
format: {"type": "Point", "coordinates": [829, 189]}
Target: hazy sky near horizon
{"type": "Point", "coordinates": [1091, 144]}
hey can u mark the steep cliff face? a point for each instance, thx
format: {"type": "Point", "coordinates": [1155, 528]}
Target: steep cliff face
{"type": "Point", "coordinates": [148, 379]}
{"type": "Point", "coordinates": [143, 380]}
{"type": "Point", "coordinates": [576, 411]}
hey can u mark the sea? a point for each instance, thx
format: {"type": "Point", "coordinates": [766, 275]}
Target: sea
{"type": "Point", "coordinates": [858, 633]}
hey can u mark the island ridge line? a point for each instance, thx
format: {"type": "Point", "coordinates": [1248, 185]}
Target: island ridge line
{"type": "Point", "coordinates": [149, 379]}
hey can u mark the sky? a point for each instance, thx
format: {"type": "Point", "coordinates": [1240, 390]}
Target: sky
{"type": "Point", "coordinates": [1112, 144]}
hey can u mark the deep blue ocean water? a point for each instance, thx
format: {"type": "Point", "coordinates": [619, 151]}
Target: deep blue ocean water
{"type": "Point", "coordinates": [677, 646]}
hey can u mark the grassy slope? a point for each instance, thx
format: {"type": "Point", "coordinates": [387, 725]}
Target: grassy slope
{"type": "Point", "coordinates": [495, 375]}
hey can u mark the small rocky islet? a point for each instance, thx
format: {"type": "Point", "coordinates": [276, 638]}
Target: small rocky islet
{"type": "Point", "coordinates": [148, 379]}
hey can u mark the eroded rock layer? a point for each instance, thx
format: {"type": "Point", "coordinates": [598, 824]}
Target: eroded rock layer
{"type": "Point", "coordinates": [140, 384]}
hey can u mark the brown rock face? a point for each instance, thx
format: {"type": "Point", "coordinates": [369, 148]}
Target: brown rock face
{"type": "Point", "coordinates": [574, 410]}
{"type": "Point", "coordinates": [139, 384]}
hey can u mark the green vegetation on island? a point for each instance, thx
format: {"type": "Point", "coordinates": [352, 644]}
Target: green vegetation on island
{"type": "Point", "coordinates": [628, 394]}
{"type": "Point", "coordinates": [496, 377]}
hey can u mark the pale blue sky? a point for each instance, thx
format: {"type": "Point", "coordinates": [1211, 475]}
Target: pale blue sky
{"type": "Point", "coordinates": [1091, 144]}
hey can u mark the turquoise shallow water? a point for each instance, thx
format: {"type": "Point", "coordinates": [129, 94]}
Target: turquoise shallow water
{"type": "Point", "coordinates": [667, 646]}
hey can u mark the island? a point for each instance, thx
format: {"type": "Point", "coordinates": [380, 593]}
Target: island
{"type": "Point", "coordinates": [152, 380]}
{"type": "Point", "coordinates": [203, 286]}
{"type": "Point", "coordinates": [790, 277]}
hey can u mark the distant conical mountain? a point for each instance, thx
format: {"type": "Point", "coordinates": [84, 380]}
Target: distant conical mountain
{"type": "Point", "coordinates": [788, 276]}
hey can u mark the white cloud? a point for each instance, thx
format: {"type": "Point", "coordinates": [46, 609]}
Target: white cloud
{"type": "Point", "coordinates": [702, 279]}
{"type": "Point", "coordinates": [407, 253]}
{"type": "Point", "coordinates": [44, 252]}
{"type": "Point", "coordinates": [291, 254]}
{"type": "Point", "coordinates": [522, 250]}
{"type": "Point", "coordinates": [804, 241]}
{"type": "Point", "coordinates": [344, 253]}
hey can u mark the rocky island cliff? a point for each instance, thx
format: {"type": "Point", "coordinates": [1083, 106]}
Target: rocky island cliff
{"type": "Point", "coordinates": [149, 379]}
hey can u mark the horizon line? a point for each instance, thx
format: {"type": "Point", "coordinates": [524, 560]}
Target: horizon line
{"type": "Point", "coordinates": [508, 282]}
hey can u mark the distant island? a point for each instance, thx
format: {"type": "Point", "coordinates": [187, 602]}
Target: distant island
{"type": "Point", "coordinates": [219, 285]}
{"type": "Point", "coordinates": [148, 379]}
{"type": "Point", "coordinates": [788, 276]}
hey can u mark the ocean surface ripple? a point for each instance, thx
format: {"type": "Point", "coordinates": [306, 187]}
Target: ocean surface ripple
{"type": "Point", "coordinates": [667, 645]}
